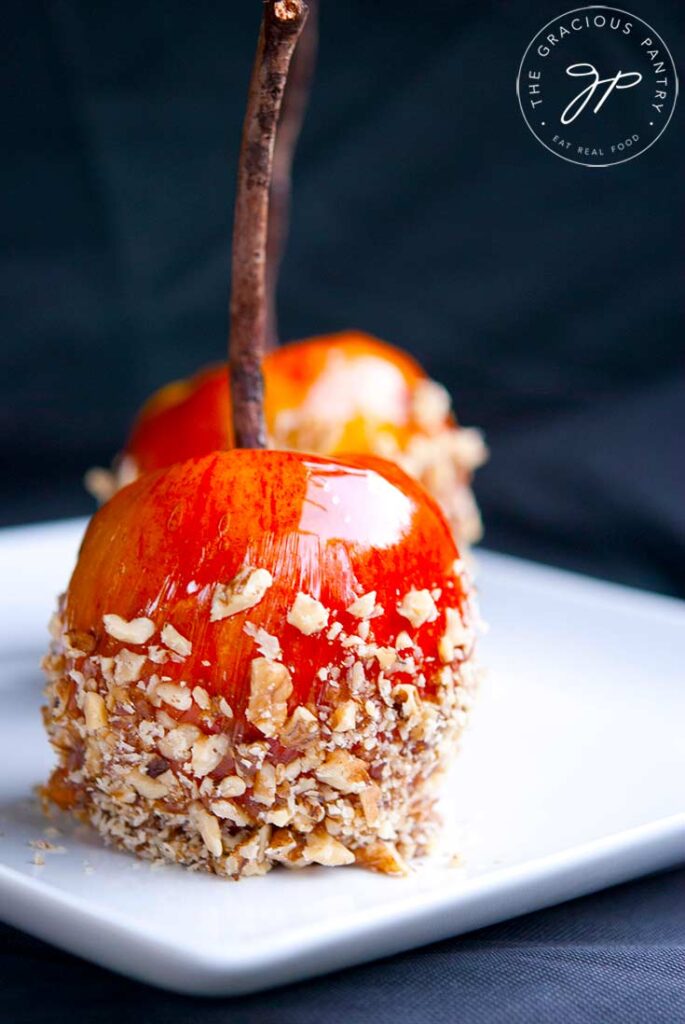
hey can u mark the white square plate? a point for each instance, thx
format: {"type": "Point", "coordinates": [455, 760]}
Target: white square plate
{"type": "Point", "coordinates": [571, 778]}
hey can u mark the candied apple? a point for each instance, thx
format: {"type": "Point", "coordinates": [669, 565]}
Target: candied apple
{"type": "Point", "coordinates": [338, 393]}
{"type": "Point", "coordinates": [262, 657]}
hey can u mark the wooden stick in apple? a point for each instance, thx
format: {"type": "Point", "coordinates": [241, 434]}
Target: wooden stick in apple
{"type": "Point", "coordinates": [281, 26]}
{"type": "Point", "coordinates": [293, 109]}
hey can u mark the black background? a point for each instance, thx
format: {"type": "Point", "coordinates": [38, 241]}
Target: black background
{"type": "Point", "coordinates": [547, 296]}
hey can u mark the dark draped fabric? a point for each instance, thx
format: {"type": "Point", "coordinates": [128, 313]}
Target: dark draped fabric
{"type": "Point", "coordinates": [616, 957]}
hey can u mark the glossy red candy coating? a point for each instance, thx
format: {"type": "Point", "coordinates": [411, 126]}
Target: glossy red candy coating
{"type": "Point", "coordinates": [333, 530]}
{"type": "Point", "coordinates": [192, 417]}
{"type": "Point", "coordinates": [182, 420]}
